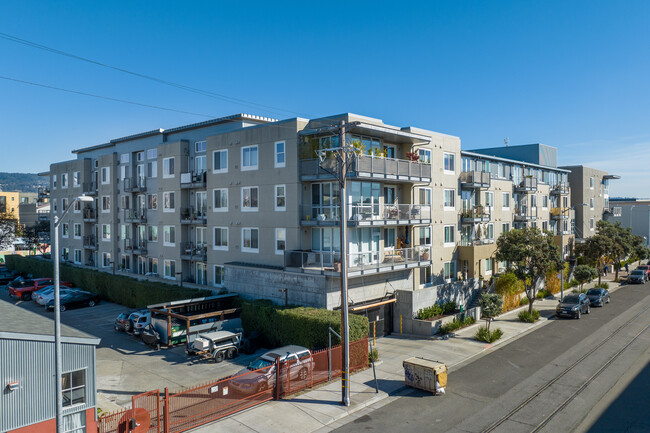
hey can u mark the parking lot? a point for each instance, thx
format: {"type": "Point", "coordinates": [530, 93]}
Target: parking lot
{"type": "Point", "coordinates": [126, 366]}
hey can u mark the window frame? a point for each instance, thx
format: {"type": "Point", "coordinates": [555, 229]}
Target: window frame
{"type": "Point", "coordinates": [214, 199]}
{"type": "Point", "coordinates": [171, 231]}
{"type": "Point", "coordinates": [222, 274]}
{"type": "Point", "coordinates": [220, 170]}
{"type": "Point", "coordinates": [105, 174]}
{"type": "Point", "coordinates": [169, 168]}
{"type": "Point", "coordinates": [453, 199]}
{"type": "Point", "coordinates": [505, 195]}
{"type": "Point", "coordinates": [72, 388]}
{"type": "Point", "coordinates": [278, 164]}
{"type": "Point", "coordinates": [276, 197]}
{"type": "Point", "coordinates": [445, 229]}
{"type": "Point", "coordinates": [243, 237]}
{"type": "Point", "coordinates": [169, 262]}
{"type": "Point", "coordinates": [250, 208]}
{"type": "Point", "coordinates": [278, 230]}
{"type": "Point", "coordinates": [223, 230]}
{"type": "Point", "coordinates": [251, 167]}
{"type": "Point", "coordinates": [448, 156]}
{"type": "Point", "coordinates": [166, 196]}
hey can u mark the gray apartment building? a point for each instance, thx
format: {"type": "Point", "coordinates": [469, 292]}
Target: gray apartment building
{"type": "Point", "coordinates": [632, 213]}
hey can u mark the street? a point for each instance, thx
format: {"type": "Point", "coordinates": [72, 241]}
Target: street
{"type": "Point", "coordinates": [553, 379]}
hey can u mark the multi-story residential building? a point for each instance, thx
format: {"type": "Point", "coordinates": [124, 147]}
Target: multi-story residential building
{"type": "Point", "coordinates": [633, 213]}
{"type": "Point", "coordinates": [500, 193]}
{"type": "Point", "coordinates": [9, 202]}
{"type": "Point", "coordinates": [590, 197]}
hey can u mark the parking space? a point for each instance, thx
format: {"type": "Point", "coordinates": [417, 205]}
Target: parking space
{"type": "Point", "coordinates": [126, 366]}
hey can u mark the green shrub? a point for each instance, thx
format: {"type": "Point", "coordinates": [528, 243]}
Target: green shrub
{"type": "Point", "coordinates": [603, 285]}
{"type": "Point", "coordinates": [525, 316]}
{"type": "Point", "coordinates": [456, 324]}
{"type": "Point", "coordinates": [572, 283]}
{"type": "Point", "coordinates": [120, 289]}
{"type": "Point", "coordinates": [524, 301]}
{"type": "Point", "coordinates": [543, 293]}
{"type": "Point", "coordinates": [304, 326]}
{"type": "Point", "coordinates": [436, 310]}
{"type": "Point", "coordinates": [374, 354]}
{"type": "Point", "coordinates": [488, 336]}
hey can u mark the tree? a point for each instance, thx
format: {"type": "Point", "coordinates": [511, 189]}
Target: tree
{"type": "Point", "coordinates": [530, 254]}
{"type": "Point", "coordinates": [584, 274]}
{"type": "Point", "coordinates": [9, 229]}
{"type": "Point", "coordinates": [38, 236]}
{"type": "Point", "coordinates": [595, 250]}
{"type": "Point", "coordinates": [491, 305]}
{"type": "Point", "coordinates": [622, 241]}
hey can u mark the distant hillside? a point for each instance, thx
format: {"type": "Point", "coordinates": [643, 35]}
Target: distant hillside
{"type": "Point", "coordinates": [23, 182]}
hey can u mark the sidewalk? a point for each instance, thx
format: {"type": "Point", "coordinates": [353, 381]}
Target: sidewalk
{"type": "Point", "coordinates": [316, 409]}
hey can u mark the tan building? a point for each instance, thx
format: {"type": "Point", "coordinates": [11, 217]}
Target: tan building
{"type": "Point", "coordinates": [9, 203]}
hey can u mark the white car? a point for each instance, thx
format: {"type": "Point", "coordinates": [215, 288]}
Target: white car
{"type": "Point", "coordinates": [140, 320]}
{"type": "Point", "coordinates": [47, 295]}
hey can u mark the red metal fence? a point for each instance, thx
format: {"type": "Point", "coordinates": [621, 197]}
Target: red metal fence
{"type": "Point", "coordinates": [175, 412]}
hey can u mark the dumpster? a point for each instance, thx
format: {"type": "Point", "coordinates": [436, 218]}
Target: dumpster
{"type": "Point", "coordinates": [423, 373]}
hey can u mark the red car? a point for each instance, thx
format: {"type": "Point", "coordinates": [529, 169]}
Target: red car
{"type": "Point", "coordinates": [23, 289]}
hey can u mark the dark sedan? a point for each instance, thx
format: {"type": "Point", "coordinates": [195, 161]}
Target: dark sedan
{"type": "Point", "coordinates": [573, 306]}
{"type": "Point", "coordinates": [75, 300]}
{"type": "Point", "coordinates": [637, 276]}
{"type": "Point", "coordinates": [598, 297]}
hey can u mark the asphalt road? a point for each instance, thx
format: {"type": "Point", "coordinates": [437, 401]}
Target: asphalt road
{"type": "Point", "coordinates": [484, 391]}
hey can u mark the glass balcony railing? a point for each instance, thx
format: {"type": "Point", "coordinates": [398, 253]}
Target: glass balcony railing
{"type": "Point", "coordinates": [368, 214]}
{"type": "Point", "coordinates": [476, 214]}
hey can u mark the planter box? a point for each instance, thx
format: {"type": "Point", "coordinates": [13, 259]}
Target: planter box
{"type": "Point", "coordinates": [428, 328]}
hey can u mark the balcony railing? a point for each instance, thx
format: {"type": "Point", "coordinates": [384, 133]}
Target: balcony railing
{"type": "Point", "coordinates": [135, 246]}
{"type": "Point", "coordinates": [367, 166]}
{"type": "Point", "coordinates": [475, 179]}
{"type": "Point", "coordinates": [194, 252]}
{"type": "Point", "coordinates": [135, 184]}
{"type": "Point", "coordinates": [525, 213]}
{"type": "Point", "coordinates": [560, 189]}
{"type": "Point", "coordinates": [90, 215]}
{"type": "Point", "coordinates": [135, 215]}
{"type": "Point", "coordinates": [191, 215]}
{"type": "Point", "coordinates": [377, 214]}
{"type": "Point", "coordinates": [90, 242]}
{"type": "Point", "coordinates": [527, 184]}
{"type": "Point", "coordinates": [193, 179]}
{"type": "Point", "coordinates": [477, 214]}
{"type": "Point", "coordinates": [90, 188]}
{"type": "Point", "coordinates": [559, 213]}
{"type": "Point", "coordinates": [475, 242]}
{"type": "Point", "coordinates": [363, 263]}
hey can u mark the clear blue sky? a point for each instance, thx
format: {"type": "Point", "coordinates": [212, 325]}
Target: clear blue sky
{"type": "Point", "coordinates": [575, 75]}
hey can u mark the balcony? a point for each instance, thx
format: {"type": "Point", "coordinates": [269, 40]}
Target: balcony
{"type": "Point", "coordinates": [524, 213]}
{"type": "Point", "coordinates": [368, 167]}
{"type": "Point", "coordinates": [90, 242]}
{"type": "Point", "coordinates": [477, 214]}
{"type": "Point", "coordinates": [558, 213]}
{"type": "Point", "coordinates": [194, 216]}
{"type": "Point", "coordinates": [135, 246]}
{"type": "Point", "coordinates": [90, 215]}
{"type": "Point", "coordinates": [528, 184]}
{"type": "Point", "coordinates": [475, 242]}
{"type": "Point", "coordinates": [329, 263]}
{"type": "Point", "coordinates": [135, 215]}
{"type": "Point", "coordinates": [560, 189]}
{"type": "Point", "coordinates": [43, 192]}
{"type": "Point", "coordinates": [193, 180]}
{"type": "Point", "coordinates": [194, 252]}
{"type": "Point", "coordinates": [368, 215]}
{"type": "Point", "coordinates": [90, 188]}
{"type": "Point", "coordinates": [475, 179]}
{"type": "Point", "coordinates": [135, 184]}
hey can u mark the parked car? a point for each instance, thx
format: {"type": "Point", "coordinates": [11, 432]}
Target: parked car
{"type": "Point", "coordinates": [646, 269]}
{"type": "Point", "coordinates": [23, 289]}
{"type": "Point", "coordinates": [573, 305]}
{"type": "Point", "coordinates": [598, 297]}
{"type": "Point", "coordinates": [7, 276]}
{"type": "Point", "coordinates": [260, 374]}
{"type": "Point", "coordinates": [43, 296]}
{"type": "Point", "coordinates": [75, 300]}
{"type": "Point", "coordinates": [637, 276]}
{"type": "Point", "coordinates": [133, 321]}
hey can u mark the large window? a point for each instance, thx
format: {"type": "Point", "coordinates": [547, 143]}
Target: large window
{"type": "Point", "coordinates": [77, 256]}
{"type": "Point", "coordinates": [489, 231]}
{"type": "Point", "coordinates": [425, 196]}
{"type": "Point", "coordinates": [280, 157]}
{"type": "Point", "coordinates": [77, 231]}
{"type": "Point", "coordinates": [280, 197]}
{"type": "Point", "coordinates": [169, 239]}
{"type": "Point", "coordinates": [153, 266]}
{"type": "Point", "coordinates": [249, 199]}
{"type": "Point", "coordinates": [220, 238]}
{"type": "Point", "coordinates": [75, 179]}
{"type": "Point", "coordinates": [219, 274]}
{"type": "Point", "coordinates": [106, 203]}
{"type": "Point", "coordinates": [450, 199]}
{"type": "Point", "coordinates": [450, 271]}
{"type": "Point", "coordinates": [505, 204]}
{"type": "Point", "coordinates": [250, 240]}
{"type": "Point", "coordinates": [425, 156]}
{"type": "Point", "coordinates": [168, 168]}
{"type": "Point", "coordinates": [106, 175]}
{"type": "Point", "coordinates": [220, 200]}
{"type": "Point", "coordinates": [425, 235]}
{"type": "Point", "coordinates": [220, 161]}
{"type": "Point", "coordinates": [280, 240]}
{"type": "Point", "coordinates": [170, 269]}
{"type": "Point", "coordinates": [152, 201]}
{"type": "Point", "coordinates": [449, 163]}
{"type": "Point", "coordinates": [152, 233]}
{"type": "Point", "coordinates": [73, 387]}
{"type": "Point", "coordinates": [249, 158]}
{"type": "Point", "coordinates": [106, 260]}
{"type": "Point", "coordinates": [199, 146]}
{"type": "Point", "coordinates": [450, 236]}
{"type": "Point", "coordinates": [168, 202]}
{"type": "Point", "coordinates": [106, 232]}
{"type": "Point", "coordinates": [65, 231]}
{"type": "Point", "coordinates": [74, 422]}
{"type": "Point", "coordinates": [489, 199]}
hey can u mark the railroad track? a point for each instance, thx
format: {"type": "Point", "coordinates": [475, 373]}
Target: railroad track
{"type": "Point", "coordinates": [548, 384]}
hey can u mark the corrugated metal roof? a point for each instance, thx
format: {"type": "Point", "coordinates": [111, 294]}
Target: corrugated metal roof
{"type": "Point", "coordinates": [513, 161]}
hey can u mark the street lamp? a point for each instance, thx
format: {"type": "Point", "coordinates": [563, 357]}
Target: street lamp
{"type": "Point", "coordinates": [57, 314]}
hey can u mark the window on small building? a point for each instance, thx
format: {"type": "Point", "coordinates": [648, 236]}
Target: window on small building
{"type": "Point", "coordinates": [73, 387]}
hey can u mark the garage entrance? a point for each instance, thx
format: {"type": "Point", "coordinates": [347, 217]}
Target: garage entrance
{"type": "Point", "coordinates": [379, 314]}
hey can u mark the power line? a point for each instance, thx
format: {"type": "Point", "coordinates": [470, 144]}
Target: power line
{"type": "Point", "coordinates": [149, 77]}
{"type": "Point", "coordinates": [108, 98]}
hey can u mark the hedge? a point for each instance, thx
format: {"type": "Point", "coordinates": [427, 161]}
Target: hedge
{"type": "Point", "coordinates": [304, 326]}
{"type": "Point", "coordinates": [120, 289]}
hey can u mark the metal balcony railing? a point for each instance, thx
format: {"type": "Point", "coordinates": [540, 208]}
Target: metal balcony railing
{"type": "Point", "coordinates": [194, 252]}
{"type": "Point", "coordinates": [558, 213]}
{"type": "Point", "coordinates": [191, 215]}
{"type": "Point", "coordinates": [136, 246]}
{"type": "Point", "coordinates": [135, 215]}
{"type": "Point", "coordinates": [372, 214]}
{"type": "Point", "coordinates": [560, 189]}
{"type": "Point", "coordinates": [89, 215]}
{"type": "Point", "coordinates": [525, 213]}
{"type": "Point", "coordinates": [90, 242]}
{"type": "Point", "coordinates": [527, 184]}
{"type": "Point", "coordinates": [475, 214]}
{"type": "Point", "coordinates": [193, 179]}
{"type": "Point", "coordinates": [475, 242]}
{"type": "Point", "coordinates": [475, 179]}
{"type": "Point", "coordinates": [135, 184]}
{"type": "Point", "coordinates": [90, 188]}
{"type": "Point", "coordinates": [369, 166]}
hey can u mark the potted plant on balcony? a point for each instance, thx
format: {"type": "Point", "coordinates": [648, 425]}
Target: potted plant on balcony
{"type": "Point", "coordinates": [377, 152]}
{"type": "Point", "coordinates": [412, 156]}
{"type": "Point", "coordinates": [424, 254]}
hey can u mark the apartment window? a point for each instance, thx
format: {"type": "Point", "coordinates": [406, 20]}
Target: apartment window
{"type": "Point", "coordinates": [488, 266]}
{"type": "Point", "coordinates": [170, 269]}
{"type": "Point", "coordinates": [489, 199]}
{"type": "Point", "coordinates": [199, 146]}
{"type": "Point", "coordinates": [591, 223]}
{"type": "Point", "coordinates": [77, 256]}
{"type": "Point", "coordinates": [249, 158]}
{"type": "Point", "coordinates": [168, 167]}
{"type": "Point", "coordinates": [106, 232]}
{"type": "Point", "coordinates": [390, 238]}
{"type": "Point", "coordinates": [65, 254]}
{"type": "Point", "coordinates": [169, 239]}
{"type": "Point", "coordinates": [544, 225]}
{"type": "Point", "coordinates": [250, 240]}
{"type": "Point", "coordinates": [53, 206]}
{"type": "Point", "coordinates": [75, 179]}
{"type": "Point", "coordinates": [505, 204]}
{"type": "Point", "coordinates": [77, 231]}
{"type": "Point", "coordinates": [64, 204]}
{"type": "Point", "coordinates": [280, 197]}
{"type": "Point", "coordinates": [449, 201]}
{"type": "Point", "coordinates": [280, 241]}
{"type": "Point", "coordinates": [106, 203]}
{"type": "Point", "coordinates": [544, 202]}
{"type": "Point", "coordinates": [64, 180]}
{"type": "Point", "coordinates": [76, 206]}
{"type": "Point", "coordinates": [152, 201]}
{"type": "Point", "coordinates": [449, 163]}
{"type": "Point", "coordinates": [220, 161]}
{"type": "Point", "coordinates": [125, 231]}
{"type": "Point", "coordinates": [152, 169]}
{"type": "Point", "coordinates": [73, 387]}
{"type": "Point", "coordinates": [220, 200]}
{"type": "Point", "coordinates": [450, 236]}
{"type": "Point", "coordinates": [533, 201]}
{"type": "Point", "coordinates": [450, 271]}
{"type": "Point", "coordinates": [54, 181]}
{"type": "Point", "coordinates": [152, 153]}
{"type": "Point", "coordinates": [219, 274]}
{"type": "Point", "coordinates": [153, 266]}
{"type": "Point", "coordinates": [152, 233]}
{"type": "Point", "coordinates": [168, 202]}
{"type": "Point", "coordinates": [591, 203]}
{"type": "Point", "coordinates": [106, 175]}
{"type": "Point", "coordinates": [139, 156]}
{"type": "Point", "coordinates": [505, 228]}
{"type": "Point", "coordinates": [280, 157]}
{"type": "Point", "coordinates": [425, 196]}
{"type": "Point", "coordinates": [65, 232]}
{"type": "Point", "coordinates": [106, 260]}
{"type": "Point", "coordinates": [122, 175]}
{"type": "Point", "coordinates": [125, 202]}
{"type": "Point", "coordinates": [425, 235]}
{"type": "Point", "coordinates": [425, 156]}
{"type": "Point", "coordinates": [249, 199]}
{"type": "Point", "coordinates": [591, 183]}
{"type": "Point", "coordinates": [489, 231]}
{"type": "Point", "coordinates": [124, 158]}
{"type": "Point", "coordinates": [220, 238]}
